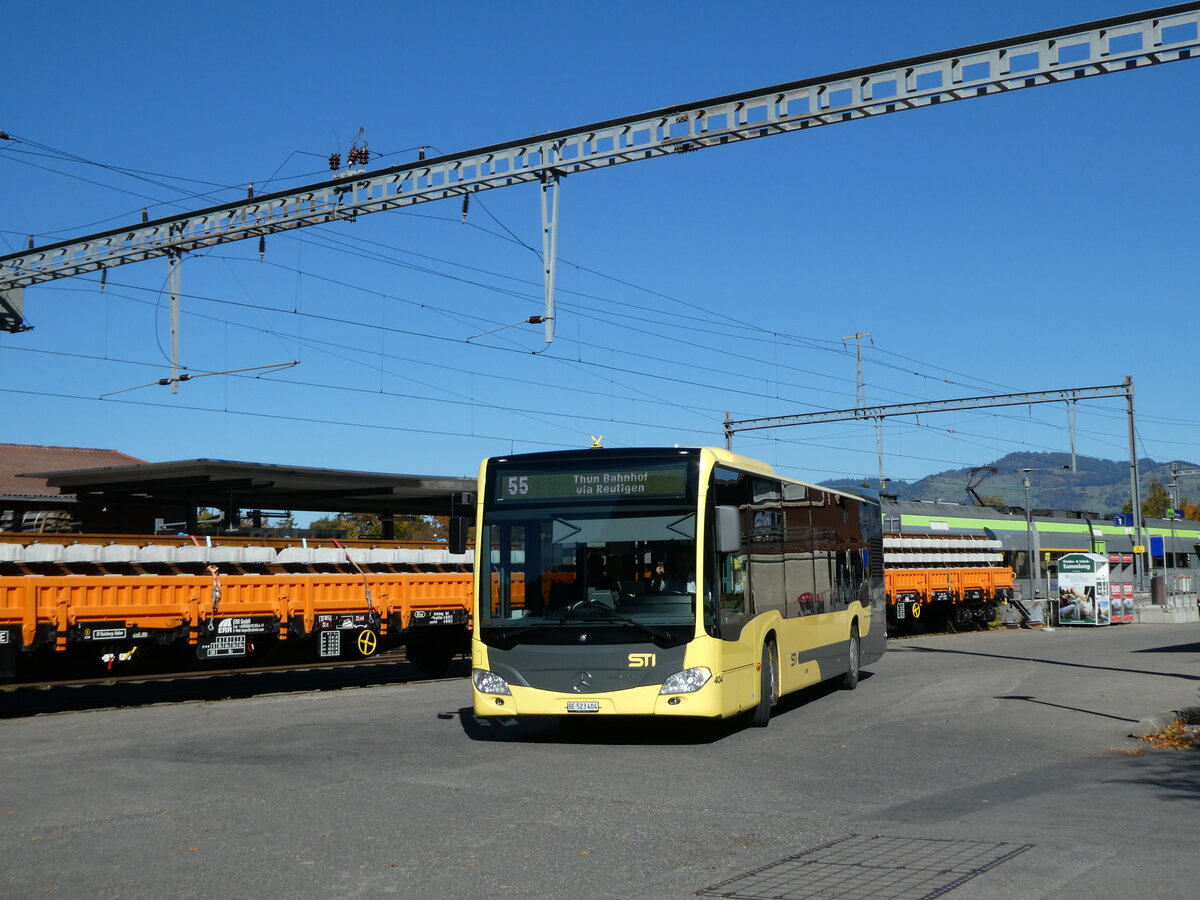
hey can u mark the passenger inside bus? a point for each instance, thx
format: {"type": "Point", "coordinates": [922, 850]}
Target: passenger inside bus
{"type": "Point", "coordinates": [678, 578]}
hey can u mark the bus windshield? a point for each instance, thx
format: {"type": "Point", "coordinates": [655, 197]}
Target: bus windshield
{"type": "Point", "coordinates": [621, 571]}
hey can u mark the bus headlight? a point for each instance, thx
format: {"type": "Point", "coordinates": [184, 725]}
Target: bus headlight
{"type": "Point", "coordinates": [489, 682]}
{"type": "Point", "coordinates": [687, 681]}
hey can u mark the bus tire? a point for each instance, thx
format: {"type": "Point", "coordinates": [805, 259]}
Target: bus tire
{"type": "Point", "coordinates": [431, 657]}
{"type": "Point", "coordinates": [768, 689]}
{"type": "Point", "coordinates": [853, 654]}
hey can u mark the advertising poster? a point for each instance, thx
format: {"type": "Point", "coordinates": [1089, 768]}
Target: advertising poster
{"type": "Point", "coordinates": [1083, 590]}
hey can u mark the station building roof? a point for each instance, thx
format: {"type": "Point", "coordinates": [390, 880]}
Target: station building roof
{"type": "Point", "coordinates": [225, 484]}
{"type": "Point", "coordinates": [17, 459]}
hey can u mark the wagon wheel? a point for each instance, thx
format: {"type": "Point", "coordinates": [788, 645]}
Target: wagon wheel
{"type": "Point", "coordinates": [368, 642]}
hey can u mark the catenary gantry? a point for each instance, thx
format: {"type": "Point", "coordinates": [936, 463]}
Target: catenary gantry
{"type": "Point", "coordinates": [1115, 44]}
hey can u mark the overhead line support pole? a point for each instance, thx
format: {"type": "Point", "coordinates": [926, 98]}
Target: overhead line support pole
{"type": "Point", "coordinates": [174, 261]}
{"type": "Point", "coordinates": [1139, 563]}
{"type": "Point", "coordinates": [550, 244]}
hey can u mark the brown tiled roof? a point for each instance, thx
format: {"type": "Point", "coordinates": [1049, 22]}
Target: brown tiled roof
{"type": "Point", "coordinates": [16, 459]}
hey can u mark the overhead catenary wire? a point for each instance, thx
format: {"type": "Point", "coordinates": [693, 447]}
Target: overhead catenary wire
{"type": "Point", "coordinates": [350, 349]}
{"type": "Point", "coordinates": [805, 341]}
{"type": "Point", "coordinates": [630, 371]}
{"type": "Point", "coordinates": [748, 393]}
{"type": "Point", "coordinates": [136, 173]}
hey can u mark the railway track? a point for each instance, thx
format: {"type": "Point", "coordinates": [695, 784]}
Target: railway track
{"type": "Point", "coordinates": [391, 657]}
{"type": "Point", "coordinates": [37, 697]}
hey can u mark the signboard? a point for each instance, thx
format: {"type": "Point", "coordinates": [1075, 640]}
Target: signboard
{"type": "Point", "coordinates": [1123, 520]}
{"type": "Point", "coordinates": [1084, 592]}
{"type": "Point", "coordinates": [593, 483]}
{"type": "Point", "coordinates": [1122, 602]}
{"type": "Point", "coordinates": [1156, 545]}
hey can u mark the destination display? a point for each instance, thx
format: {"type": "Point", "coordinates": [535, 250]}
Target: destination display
{"type": "Point", "coordinates": [593, 483]}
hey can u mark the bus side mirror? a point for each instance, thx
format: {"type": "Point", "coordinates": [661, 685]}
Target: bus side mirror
{"type": "Point", "coordinates": [457, 535]}
{"type": "Point", "coordinates": [729, 536]}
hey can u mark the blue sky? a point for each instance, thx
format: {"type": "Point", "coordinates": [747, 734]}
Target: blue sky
{"type": "Point", "coordinates": [1033, 241]}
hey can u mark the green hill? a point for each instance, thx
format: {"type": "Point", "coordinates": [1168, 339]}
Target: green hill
{"type": "Point", "coordinates": [1095, 485]}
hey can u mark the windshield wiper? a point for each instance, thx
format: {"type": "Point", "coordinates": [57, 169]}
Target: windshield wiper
{"type": "Point", "coordinates": [651, 630]}
{"type": "Point", "coordinates": [510, 633]}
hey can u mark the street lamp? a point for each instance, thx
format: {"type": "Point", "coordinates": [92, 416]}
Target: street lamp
{"type": "Point", "coordinates": [1031, 556]}
{"type": "Point", "coordinates": [1035, 551]}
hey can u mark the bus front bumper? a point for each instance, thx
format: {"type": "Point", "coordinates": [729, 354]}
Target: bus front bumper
{"type": "Point", "coordinates": [640, 701]}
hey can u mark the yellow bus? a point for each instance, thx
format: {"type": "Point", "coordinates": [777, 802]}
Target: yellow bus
{"type": "Point", "coordinates": [667, 582]}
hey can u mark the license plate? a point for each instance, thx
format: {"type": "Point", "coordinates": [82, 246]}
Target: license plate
{"type": "Point", "coordinates": [583, 706]}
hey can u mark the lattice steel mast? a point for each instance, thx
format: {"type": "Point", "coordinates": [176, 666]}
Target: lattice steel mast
{"type": "Point", "coordinates": [1116, 44]}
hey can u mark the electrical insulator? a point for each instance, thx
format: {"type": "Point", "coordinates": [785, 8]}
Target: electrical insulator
{"type": "Point", "coordinates": [335, 161]}
{"type": "Point", "coordinates": [363, 156]}
{"type": "Point", "coordinates": [466, 207]}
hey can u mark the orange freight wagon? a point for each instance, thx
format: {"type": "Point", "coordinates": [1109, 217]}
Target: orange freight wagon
{"type": "Point", "coordinates": [954, 580]}
{"type": "Point", "coordinates": [118, 618]}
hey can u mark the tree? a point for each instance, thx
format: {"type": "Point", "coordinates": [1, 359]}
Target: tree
{"type": "Point", "coordinates": [421, 528]}
{"type": "Point", "coordinates": [365, 526]}
{"type": "Point", "coordinates": [992, 500]}
{"type": "Point", "coordinates": [1157, 500]}
{"type": "Point", "coordinates": [329, 523]}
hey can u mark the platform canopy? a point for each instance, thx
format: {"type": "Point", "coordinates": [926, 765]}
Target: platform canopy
{"type": "Point", "coordinates": [227, 485]}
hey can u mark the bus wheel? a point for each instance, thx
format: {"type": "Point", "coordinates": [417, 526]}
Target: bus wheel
{"type": "Point", "coordinates": [431, 658]}
{"type": "Point", "coordinates": [850, 679]}
{"type": "Point", "coordinates": [768, 690]}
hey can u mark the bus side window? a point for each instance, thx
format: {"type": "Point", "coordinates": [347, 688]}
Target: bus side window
{"type": "Point", "coordinates": [733, 585]}
{"type": "Point", "coordinates": [734, 489]}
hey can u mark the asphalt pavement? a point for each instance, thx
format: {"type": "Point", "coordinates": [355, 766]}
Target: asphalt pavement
{"type": "Point", "coordinates": [974, 765]}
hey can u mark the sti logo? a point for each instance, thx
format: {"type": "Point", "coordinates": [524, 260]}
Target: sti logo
{"type": "Point", "coordinates": [642, 660]}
